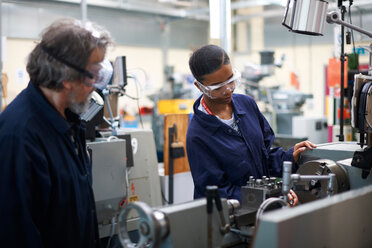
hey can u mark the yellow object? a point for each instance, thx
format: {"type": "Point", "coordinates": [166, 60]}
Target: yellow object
{"type": "Point", "coordinates": [133, 198]}
{"type": "Point", "coordinates": [175, 106]}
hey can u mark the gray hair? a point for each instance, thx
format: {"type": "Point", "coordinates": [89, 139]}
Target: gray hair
{"type": "Point", "coordinates": [66, 40]}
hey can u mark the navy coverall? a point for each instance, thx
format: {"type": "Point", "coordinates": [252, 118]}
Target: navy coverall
{"type": "Point", "coordinates": [46, 197]}
{"type": "Point", "coordinates": [218, 155]}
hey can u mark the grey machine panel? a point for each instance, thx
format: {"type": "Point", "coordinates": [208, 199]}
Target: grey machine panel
{"type": "Point", "coordinates": [343, 220]}
{"type": "Point", "coordinates": [144, 180]}
{"type": "Point", "coordinates": [190, 220]}
{"type": "Point", "coordinates": [180, 225]}
{"type": "Point", "coordinates": [334, 151]}
{"type": "Point", "coordinates": [355, 175]}
{"type": "Point", "coordinates": [143, 177]}
{"type": "Point", "coordinates": [109, 184]}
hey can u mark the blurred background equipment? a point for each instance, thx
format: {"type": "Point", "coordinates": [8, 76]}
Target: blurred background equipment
{"type": "Point", "coordinates": [279, 106]}
{"type": "Point", "coordinates": [176, 97]}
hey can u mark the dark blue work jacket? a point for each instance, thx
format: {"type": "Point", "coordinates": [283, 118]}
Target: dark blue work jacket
{"type": "Point", "coordinates": [46, 197]}
{"type": "Point", "coordinates": [218, 155]}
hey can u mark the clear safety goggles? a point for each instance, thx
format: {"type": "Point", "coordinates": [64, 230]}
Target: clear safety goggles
{"type": "Point", "coordinates": [216, 90]}
{"type": "Point", "coordinates": [99, 75]}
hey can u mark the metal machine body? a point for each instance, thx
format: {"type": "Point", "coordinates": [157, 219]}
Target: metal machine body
{"type": "Point", "coordinates": [319, 223]}
{"type": "Point", "coordinates": [143, 177]}
{"type": "Point", "coordinates": [362, 119]}
{"type": "Point", "coordinates": [115, 184]}
{"type": "Point", "coordinates": [344, 220]}
{"type": "Point", "coordinates": [253, 194]}
{"type": "Point", "coordinates": [109, 180]}
{"type": "Point", "coordinates": [178, 225]}
{"type": "Point", "coordinates": [342, 153]}
{"type": "Point", "coordinates": [316, 189]}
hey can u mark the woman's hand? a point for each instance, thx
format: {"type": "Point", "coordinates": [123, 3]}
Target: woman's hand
{"type": "Point", "coordinates": [292, 198]}
{"type": "Point", "coordinates": [300, 148]}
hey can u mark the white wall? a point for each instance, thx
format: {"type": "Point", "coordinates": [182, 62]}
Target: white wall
{"type": "Point", "coordinates": [145, 63]}
{"type": "Point", "coordinates": [14, 65]}
{"type": "Point", "coordinates": [307, 61]}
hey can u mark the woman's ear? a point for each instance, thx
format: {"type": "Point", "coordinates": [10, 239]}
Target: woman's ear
{"type": "Point", "coordinates": [197, 86]}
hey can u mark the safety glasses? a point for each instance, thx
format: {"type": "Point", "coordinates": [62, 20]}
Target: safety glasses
{"type": "Point", "coordinates": [99, 75]}
{"type": "Point", "coordinates": [216, 90]}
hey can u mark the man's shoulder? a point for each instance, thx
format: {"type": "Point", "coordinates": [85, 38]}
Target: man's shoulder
{"type": "Point", "coordinates": [20, 117]}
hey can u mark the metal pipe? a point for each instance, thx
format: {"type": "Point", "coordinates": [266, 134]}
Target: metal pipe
{"type": "Point", "coordinates": [287, 168]}
{"type": "Point", "coordinates": [83, 6]}
{"type": "Point", "coordinates": [342, 59]}
{"type": "Point", "coordinates": [297, 177]}
{"type": "Point", "coordinates": [331, 181]}
{"type": "Point", "coordinates": [113, 124]}
{"type": "Point", "coordinates": [334, 17]}
{"type": "Point", "coordinates": [331, 177]}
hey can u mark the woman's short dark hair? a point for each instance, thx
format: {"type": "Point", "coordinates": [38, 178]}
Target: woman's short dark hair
{"type": "Point", "coordinates": [206, 60]}
{"type": "Point", "coordinates": [68, 40]}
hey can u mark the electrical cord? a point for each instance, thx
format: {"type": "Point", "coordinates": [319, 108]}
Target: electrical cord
{"type": "Point", "coordinates": [264, 205]}
{"type": "Point", "coordinates": [112, 230]}
{"type": "Point", "coordinates": [136, 98]}
{"type": "Point", "coordinates": [164, 199]}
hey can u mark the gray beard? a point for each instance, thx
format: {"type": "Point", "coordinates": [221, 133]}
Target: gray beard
{"type": "Point", "coordinates": [79, 107]}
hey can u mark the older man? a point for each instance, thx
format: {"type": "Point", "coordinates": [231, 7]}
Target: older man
{"type": "Point", "coordinates": [45, 173]}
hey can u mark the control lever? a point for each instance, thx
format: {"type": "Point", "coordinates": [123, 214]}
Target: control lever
{"type": "Point", "coordinates": [289, 179]}
{"type": "Point", "coordinates": [212, 193]}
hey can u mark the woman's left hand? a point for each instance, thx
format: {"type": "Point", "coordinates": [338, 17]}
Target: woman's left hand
{"type": "Point", "coordinates": [300, 148]}
{"type": "Point", "coordinates": [292, 198]}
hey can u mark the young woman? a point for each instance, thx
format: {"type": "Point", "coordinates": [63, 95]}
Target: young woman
{"type": "Point", "coordinates": [228, 139]}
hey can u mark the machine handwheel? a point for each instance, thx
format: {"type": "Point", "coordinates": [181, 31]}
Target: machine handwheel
{"type": "Point", "coordinates": [147, 226]}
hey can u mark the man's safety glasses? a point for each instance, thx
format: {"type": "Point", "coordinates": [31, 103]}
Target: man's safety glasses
{"type": "Point", "coordinates": [99, 75]}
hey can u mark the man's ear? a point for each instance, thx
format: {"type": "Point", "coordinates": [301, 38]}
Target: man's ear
{"type": "Point", "coordinates": [67, 85]}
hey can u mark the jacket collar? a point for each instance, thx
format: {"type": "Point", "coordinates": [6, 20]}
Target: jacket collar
{"type": "Point", "coordinates": [210, 121]}
{"type": "Point", "coordinates": [49, 112]}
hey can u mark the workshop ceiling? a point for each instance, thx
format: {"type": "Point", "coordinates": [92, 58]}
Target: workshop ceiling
{"type": "Point", "coordinates": [199, 9]}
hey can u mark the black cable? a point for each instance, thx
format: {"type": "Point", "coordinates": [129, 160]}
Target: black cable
{"type": "Point", "coordinates": [162, 195]}
{"type": "Point", "coordinates": [131, 97]}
